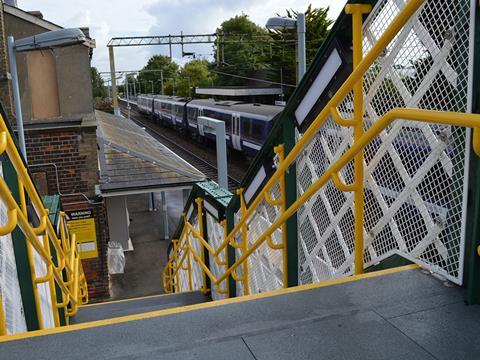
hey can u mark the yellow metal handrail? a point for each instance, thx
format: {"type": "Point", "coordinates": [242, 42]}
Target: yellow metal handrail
{"type": "Point", "coordinates": [355, 153]}
{"type": "Point", "coordinates": [427, 116]}
{"type": "Point", "coordinates": [67, 273]}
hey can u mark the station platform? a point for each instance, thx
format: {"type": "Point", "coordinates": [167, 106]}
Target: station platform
{"type": "Point", "coordinates": [403, 313]}
{"type": "Point", "coordinates": [143, 265]}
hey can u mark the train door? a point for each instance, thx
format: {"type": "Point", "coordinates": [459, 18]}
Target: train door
{"type": "Point", "coordinates": [173, 113]}
{"type": "Point", "coordinates": [199, 113]}
{"type": "Point", "coordinates": [235, 132]}
{"type": "Point", "coordinates": [200, 127]}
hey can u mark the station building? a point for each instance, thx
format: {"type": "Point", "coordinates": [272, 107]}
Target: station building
{"type": "Point", "coordinates": [60, 125]}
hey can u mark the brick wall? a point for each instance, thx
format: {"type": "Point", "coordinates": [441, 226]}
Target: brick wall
{"type": "Point", "coordinates": [74, 152]}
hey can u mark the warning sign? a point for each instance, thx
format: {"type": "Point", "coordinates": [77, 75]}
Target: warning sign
{"type": "Point", "coordinates": [82, 224]}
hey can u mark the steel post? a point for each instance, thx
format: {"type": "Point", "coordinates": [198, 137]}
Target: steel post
{"type": "Point", "coordinates": [218, 127]}
{"type": "Point", "coordinates": [114, 91]}
{"type": "Point", "coordinates": [163, 196]}
{"type": "Point", "coordinates": [16, 96]}
{"type": "Point", "coordinates": [357, 11]}
{"type": "Point", "coordinates": [127, 96]}
{"type": "Point", "coordinates": [302, 55]}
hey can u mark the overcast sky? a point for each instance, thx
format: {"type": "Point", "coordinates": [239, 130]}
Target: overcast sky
{"type": "Point", "coordinates": [108, 19]}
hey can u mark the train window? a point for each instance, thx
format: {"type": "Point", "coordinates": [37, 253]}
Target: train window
{"type": "Point", "coordinates": [227, 118]}
{"type": "Point", "coordinates": [192, 115]}
{"type": "Point", "coordinates": [257, 130]}
{"type": "Point", "coordinates": [179, 110]}
{"type": "Point", "coordinates": [246, 126]}
{"type": "Point", "coordinates": [209, 113]}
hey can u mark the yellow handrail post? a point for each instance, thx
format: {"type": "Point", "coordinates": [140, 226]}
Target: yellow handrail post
{"type": "Point", "coordinates": [36, 296]}
{"type": "Point", "coordinates": [280, 150]}
{"type": "Point", "coordinates": [3, 321]}
{"type": "Point", "coordinates": [225, 231]}
{"type": "Point", "coordinates": [244, 229]}
{"type": "Point", "coordinates": [51, 284]}
{"type": "Point", "coordinates": [199, 202]}
{"type": "Point", "coordinates": [357, 11]}
{"type": "Point", "coordinates": [177, 287]}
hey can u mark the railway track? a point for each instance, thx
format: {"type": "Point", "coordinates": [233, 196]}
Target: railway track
{"type": "Point", "coordinates": [206, 167]}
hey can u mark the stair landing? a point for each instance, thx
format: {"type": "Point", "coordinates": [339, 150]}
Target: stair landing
{"type": "Point", "coordinates": [401, 315]}
{"type": "Point", "coordinates": [113, 309]}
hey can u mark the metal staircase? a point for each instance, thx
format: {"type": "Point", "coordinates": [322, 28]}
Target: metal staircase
{"type": "Point", "coordinates": [372, 164]}
{"type": "Point", "coordinates": [368, 165]}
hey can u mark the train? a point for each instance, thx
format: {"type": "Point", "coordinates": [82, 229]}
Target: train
{"type": "Point", "coordinates": [247, 125]}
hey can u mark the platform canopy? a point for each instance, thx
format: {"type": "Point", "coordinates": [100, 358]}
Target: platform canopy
{"type": "Point", "coordinates": [238, 91]}
{"type": "Point", "coordinates": [132, 161]}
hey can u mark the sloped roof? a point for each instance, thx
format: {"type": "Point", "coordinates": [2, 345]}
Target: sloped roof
{"type": "Point", "coordinates": [131, 159]}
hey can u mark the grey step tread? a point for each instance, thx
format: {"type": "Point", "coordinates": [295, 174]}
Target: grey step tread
{"type": "Point", "coordinates": [402, 315]}
{"type": "Point", "coordinates": [119, 308]}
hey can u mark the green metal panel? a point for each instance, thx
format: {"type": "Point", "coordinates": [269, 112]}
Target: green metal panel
{"type": "Point", "coordinates": [21, 255]}
{"type": "Point", "coordinates": [472, 257]}
{"type": "Point", "coordinates": [205, 251]}
{"type": "Point", "coordinates": [232, 285]}
{"type": "Point", "coordinates": [291, 197]}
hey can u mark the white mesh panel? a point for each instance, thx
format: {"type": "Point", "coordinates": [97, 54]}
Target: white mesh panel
{"type": "Point", "coordinates": [265, 265]}
{"type": "Point", "coordinates": [197, 277]}
{"type": "Point", "coordinates": [415, 173]}
{"type": "Point", "coordinates": [43, 290]}
{"type": "Point", "coordinates": [215, 239]}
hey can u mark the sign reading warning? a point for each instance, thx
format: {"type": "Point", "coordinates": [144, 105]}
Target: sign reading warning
{"type": "Point", "coordinates": [82, 224]}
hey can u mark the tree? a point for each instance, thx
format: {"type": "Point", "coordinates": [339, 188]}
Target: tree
{"type": "Point", "coordinates": [240, 58]}
{"type": "Point", "coordinates": [98, 87]}
{"type": "Point", "coordinates": [283, 59]}
{"type": "Point", "coordinates": [193, 74]}
{"type": "Point", "coordinates": [152, 72]}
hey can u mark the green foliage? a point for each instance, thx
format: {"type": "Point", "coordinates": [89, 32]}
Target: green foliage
{"type": "Point", "coordinates": [193, 74]}
{"type": "Point", "coordinates": [242, 58]}
{"type": "Point", "coordinates": [268, 55]}
{"type": "Point", "coordinates": [283, 56]}
{"type": "Point", "coordinates": [152, 72]}
{"type": "Point", "coordinates": [98, 87]}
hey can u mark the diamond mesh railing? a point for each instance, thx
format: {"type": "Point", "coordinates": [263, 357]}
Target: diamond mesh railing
{"type": "Point", "coordinates": [414, 172]}
{"type": "Point", "coordinates": [381, 170]}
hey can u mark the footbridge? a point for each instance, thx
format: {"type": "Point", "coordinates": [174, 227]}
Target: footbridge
{"type": "Point", "coordinates": [354, 234]}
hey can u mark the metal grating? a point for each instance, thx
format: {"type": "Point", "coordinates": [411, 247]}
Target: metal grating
{"type": "Point", "coordinates": [215, 239]}
{"type": "Point", "coordinates": [197, 277]}
{"type": "Point", "coordinates": [414, 177]}
{"type": "Point", "coordinates": [265, 265]}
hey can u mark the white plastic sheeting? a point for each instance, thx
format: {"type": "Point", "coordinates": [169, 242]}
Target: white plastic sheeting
{"type": "Point", "coordinates": [115, 258]}
{"type": "Point", "coordinates": [9, 286]}
{"type": "Point", "coordinates": [43, 290]}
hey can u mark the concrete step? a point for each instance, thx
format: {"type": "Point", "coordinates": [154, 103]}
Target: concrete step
{"type": "Point", "coordinates": [405, 314]}
{"type": "Point", "coordinates": [118, 308]}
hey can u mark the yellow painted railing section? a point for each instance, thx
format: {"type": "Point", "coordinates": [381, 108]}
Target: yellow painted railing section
{"type": "Point", "coordinates": [67, 273]}
{"type": "Point", "coordinates": [355, 153]}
